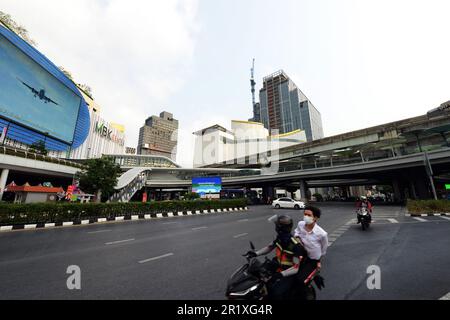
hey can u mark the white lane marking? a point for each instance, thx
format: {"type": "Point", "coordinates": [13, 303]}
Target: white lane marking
{"type": "Point", "coordinates": [99, 231]}
{"type": "Point", "coordinates": [199, 228]}
{"type": "Point", "coordinates": [334, 236]}
{"type": "Point", "coordinates": [120, 241]}
{"type": "Point", "coordinates": [446, 218]}
{"type": "Point", "coordinates": [170, 222]}
{"type": "Point", "coordinates": [393, 220]}
{"type": "Point", "coordinates": [446, 297]}
{"type": "Point", "coordinates": [156, 258]}
{"type": "Point", "coordinates": [240, 235]}
{"type": "Point", "coordinates": [243, 220]}
{"type": "Point", "coordinates": [420, 219]}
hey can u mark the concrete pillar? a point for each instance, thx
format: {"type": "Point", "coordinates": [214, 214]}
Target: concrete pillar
{"type": "Point", "coordinates": [268, 191]}
{"type": "Point", "coordinates": [302, 187]}
{"type": "Point", "coordinates": [398, 195]}
{"type": "Point", "coordinates": [413, 190]}
{"type": "Point", "coordinates": [3, 178]}
{"type": "Point", "coordinates": [422, 187]}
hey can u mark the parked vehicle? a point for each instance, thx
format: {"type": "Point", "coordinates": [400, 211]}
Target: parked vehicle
{"type": "Point", "coordinates": [288, 203]}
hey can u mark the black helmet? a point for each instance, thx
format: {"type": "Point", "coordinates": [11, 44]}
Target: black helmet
{"type": "Point", "coordinates": [284, 224]}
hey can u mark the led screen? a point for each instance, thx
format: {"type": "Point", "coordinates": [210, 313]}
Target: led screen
{"type": "Point", "coordinates": [31, 96]}
{"type": "Point", "coordinates": [206, 185]}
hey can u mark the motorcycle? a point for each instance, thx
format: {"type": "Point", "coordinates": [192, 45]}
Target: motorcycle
{"type": "Point", "coordinates": [364, 218]}
{"type": "Point", "coordinates": [250, 282]}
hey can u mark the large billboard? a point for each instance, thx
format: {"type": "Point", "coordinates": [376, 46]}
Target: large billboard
{"type": "Point", "coordinates": [31, 96]}
{"type": "Point", "coordinates": [206, 185]}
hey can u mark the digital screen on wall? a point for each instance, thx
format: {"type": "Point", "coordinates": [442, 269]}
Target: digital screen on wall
{"type": "Point", "coordinates": [205, 185]}
{"type": "Point", "coordinates": [31, 96]}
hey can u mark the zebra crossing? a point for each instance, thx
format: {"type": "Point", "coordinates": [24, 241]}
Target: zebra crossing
{"type": "Point", "coordinates": [384, 218]}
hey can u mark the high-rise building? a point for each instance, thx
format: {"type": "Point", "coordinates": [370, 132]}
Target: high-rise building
{"type": "Point", "coordinates": [159, 136]}
{"type": "Point", "coordinates": [285, 107]}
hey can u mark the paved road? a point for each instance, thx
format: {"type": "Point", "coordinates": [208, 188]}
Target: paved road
{"type": "Point", "coordinates": [191, 257]}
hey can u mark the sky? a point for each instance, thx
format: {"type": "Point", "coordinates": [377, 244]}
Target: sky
{"type": "Point", "coordinates": [360, 62]}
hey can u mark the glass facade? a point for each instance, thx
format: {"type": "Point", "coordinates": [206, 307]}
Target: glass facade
{"type": "Point", "coordinates": [286, 108]}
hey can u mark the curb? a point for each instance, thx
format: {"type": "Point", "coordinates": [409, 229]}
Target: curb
{"type": "Point", "coordinates": [153, 216]}
{"type": "Point", "coordinates": [426, 214]}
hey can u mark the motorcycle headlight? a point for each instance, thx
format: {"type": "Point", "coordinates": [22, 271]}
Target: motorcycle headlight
{"type": "Point", "coordinates": [244, 293]}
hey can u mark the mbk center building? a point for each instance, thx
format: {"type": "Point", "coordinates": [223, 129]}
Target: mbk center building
{"type": "Point", "coordinates": [38, 102]}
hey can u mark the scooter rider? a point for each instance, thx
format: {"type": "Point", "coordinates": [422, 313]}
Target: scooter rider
{"type": "Point", "coordinates": [364, 203]}
{"type": "Point", "coordinates": [289, 254]}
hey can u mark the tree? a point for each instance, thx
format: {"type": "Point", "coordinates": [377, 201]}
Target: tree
{"type": "Point", "coordinates": [7, 20]}
{"type": "Point", "coordinates": [87, 89]}
{"type": "Point", "coordinates": [100, 177]}
{"type": "Point", "coordinates": [66, 72]}
{"type": "Point", "coordinates": [39, 148]}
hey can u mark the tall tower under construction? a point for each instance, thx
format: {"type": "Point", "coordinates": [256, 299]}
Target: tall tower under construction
{"type": "Point", "coordinates": [255, 105]}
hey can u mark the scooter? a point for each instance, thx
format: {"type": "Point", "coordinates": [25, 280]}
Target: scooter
{"type": "Point", "coordinates": [364, 217]}
{"type": "Point", "coordinates": [250, 282]}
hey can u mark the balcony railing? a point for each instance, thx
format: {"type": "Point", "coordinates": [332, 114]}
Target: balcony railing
{"type": "Point", "coordinates": [38, 157]}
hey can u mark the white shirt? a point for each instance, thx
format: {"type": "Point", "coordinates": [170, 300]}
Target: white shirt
{"type": "Point", "coordinates": [315, 242]}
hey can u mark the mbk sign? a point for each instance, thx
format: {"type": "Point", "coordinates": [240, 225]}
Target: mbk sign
{"type": "Point", "coordinates": [107, 133]}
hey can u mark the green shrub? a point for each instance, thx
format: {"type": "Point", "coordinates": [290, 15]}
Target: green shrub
{"type": "Point", "coordinates": [428, 206]}
{"type": "Point", "coordinates": [11, 214]}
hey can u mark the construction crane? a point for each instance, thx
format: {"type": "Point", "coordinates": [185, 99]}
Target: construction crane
{"type": "Point", "coordinates": [253, 83]}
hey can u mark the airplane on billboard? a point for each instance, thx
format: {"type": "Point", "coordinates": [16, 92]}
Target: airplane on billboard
{"type": "Point", "coordinates": [40, 93]}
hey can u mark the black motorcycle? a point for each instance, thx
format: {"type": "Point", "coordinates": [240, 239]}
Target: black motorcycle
{"type": "Point", "coordinates": [364, 218]}
{"type": "Point", "coordinates": [251, 282]}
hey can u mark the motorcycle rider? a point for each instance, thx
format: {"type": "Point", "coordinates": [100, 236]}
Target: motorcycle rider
{"type": "Point", "coordinates": [315, 241]}
{"type": "Point", "coordinates": [289, 254]}
{"type": "Point", "coordinates": [364, 203]}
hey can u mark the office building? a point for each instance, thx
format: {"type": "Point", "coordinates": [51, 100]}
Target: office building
{"type": "Point", "coordinates": [284, 107]}
{"type": "Point", "coordinates": [159, 136]}
{"type": "Point", "coordinates": [247, 142]}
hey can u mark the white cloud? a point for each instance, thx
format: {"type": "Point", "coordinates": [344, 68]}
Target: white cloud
{"type": "Point", "coordinates": [134, 54]}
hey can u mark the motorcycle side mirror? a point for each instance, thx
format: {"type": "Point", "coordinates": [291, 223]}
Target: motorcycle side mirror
{"type": "Point", "coordinates": [252, 245]}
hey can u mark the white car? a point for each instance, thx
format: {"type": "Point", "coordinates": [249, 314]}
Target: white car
{"type": "Point", "coordinates": [288, 203]}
